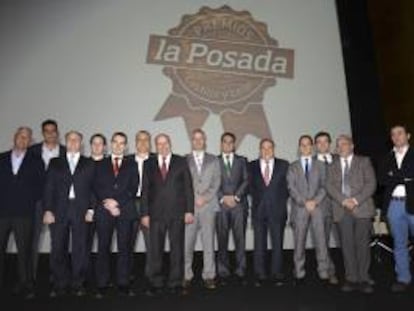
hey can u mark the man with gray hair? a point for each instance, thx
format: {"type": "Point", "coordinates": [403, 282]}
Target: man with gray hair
{"type": "Point", "coordinates": [21, 185]}
{"type": "Point", "coordinates": [205, 171]}
{"type": "Point", "coordinates": [351, 183]}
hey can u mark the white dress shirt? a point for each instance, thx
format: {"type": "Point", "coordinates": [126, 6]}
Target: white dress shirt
{"type": "Point", "coordinates": [230, 158]}
{"type": "Point", "coordinates": [72, 157]}
{"type": "Point", "coordinates": [263, 167]}
{"type": "Point", "coordinates": [399, 190]}
{"type": "Point", "coordinates": [140, 159]}
{"type": "Point", "coordinates": [48, 154]}
{"type": "Point", "coordinates": [303, 162]}
{"type": "Point", "coordinates": [349, 159]}
{"type": "Point", "coordinates": [321, 157]}
{"type": "Point", "coordinates": [17, 160]}
{"type": "Point", "coordinates": [198, 159]}
{"type": "Point", "coordinates": [167, 161]}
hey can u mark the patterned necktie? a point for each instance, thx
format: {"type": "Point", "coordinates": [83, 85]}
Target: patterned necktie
{"type": "Point", "coordinates": [307, 169]}
{"type": "Point", "coordinates": [227, 165]}
{"type": "Point", "coordinates": [116, 166]}
{"type": "Point", "coordinates": [346, 189]}
{"type": "Point", "coordinates": [164, 169]}
{"type": "Point", "coordinates": [266, 173]}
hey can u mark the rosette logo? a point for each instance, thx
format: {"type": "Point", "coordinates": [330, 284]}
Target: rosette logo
{"type": "Point", "coordinates": [220, 61]}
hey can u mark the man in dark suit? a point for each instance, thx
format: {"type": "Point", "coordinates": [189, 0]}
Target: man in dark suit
{"type": "Point", "coordinates": [68, 203]}
{"type": "Point", "coordinates": [115, 186]}
{"type": "Point", "coordinates": [142, 153]}
{"type": "Point", "coordinates": [167, 205]}
{"type": "Point", "coordinates": [21, 185]}
{"type": "Point", "coordinates": [351, 183]}
{"type": "Point", "coordinates": [397, 176]}
{"type": "Point", "coordinates": [232, 214]}
{"type": "Point", "coordinates": [46, 150]}
{"type": "Point", "coordinates": [269, 210]}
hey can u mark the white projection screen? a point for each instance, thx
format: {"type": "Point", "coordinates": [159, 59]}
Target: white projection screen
{"type": "Point", "coordinates": [255, 67]}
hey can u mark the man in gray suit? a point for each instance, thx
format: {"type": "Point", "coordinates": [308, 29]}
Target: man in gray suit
{"type": "Point", "coordinates": [351, 183]}
{"type": "Point", "coordinates": [233, 209]}
{"type": "Point", "coordinates": [306, 184]}
{"type": "Point", "coordinates": [323, 142]}
{"type": "Point", "coordinates": [205, 173]}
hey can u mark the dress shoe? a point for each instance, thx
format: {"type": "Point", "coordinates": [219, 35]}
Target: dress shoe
{"type": "Point", "coordinates": [278, 281]}
{"type": "Point", "coordinates": [57, 292]}
{"type": "Point", "coordinates": [241, 280]}
{"type": "Point", "coordinates": [177, 291]}
{"type": "Point", "coordinates": [299, 282]}
{"type": "Point", "coordinates": [223, 281]}
{"type": "Point", "coordinates": [187, 283]}
{"type": "Point", "coordinates": [399, 287]}
{"type": "Point", "coordinates": [79, 291]}
{"type": "Point", "coordinates": [154, 292]}
{"type": "Point", "coordinates": [125, 291]}
{"type": "Point", "coordinates": [100, 293]}
{"type": "Point", "coordinates": [348, 287]}
{"type": "Point", "coordinates": [210, 284]}
{"type": "Point", "coordinates": [259, 283]}
{"type": "Point", "coordinates": [366, 288]}
{"type": "Point", "coordinates": [29, 294]}
{"type": "Point", "coordinates": [333, 280]}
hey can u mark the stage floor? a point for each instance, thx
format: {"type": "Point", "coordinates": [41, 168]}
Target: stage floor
{"type": "Point", "coordinates": [312, 296]}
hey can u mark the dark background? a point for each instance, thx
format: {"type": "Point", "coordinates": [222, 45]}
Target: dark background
{"type": "Point", "coordinates": [378, 48]}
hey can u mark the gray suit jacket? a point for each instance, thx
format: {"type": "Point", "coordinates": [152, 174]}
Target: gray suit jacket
{"type": "Point", "coordinates": [207, 182]}
{"type": "Point", "coordinates": [362, 182]}
{"type": "Point", "coordinates": [300, 189]}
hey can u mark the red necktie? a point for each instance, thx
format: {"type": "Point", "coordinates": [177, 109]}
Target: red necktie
{"type": "Point", "coordinates": [116, 166]}
{"type": "Point", "coordinates": [164, 169]}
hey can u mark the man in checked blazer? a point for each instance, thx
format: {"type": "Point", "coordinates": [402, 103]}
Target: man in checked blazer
{"type": "Point", "coordinates": [205, 173]}
{"type": "Point", "coordinates": [351, 183]}
{"type": "Point", "coordinates": [306, 183]}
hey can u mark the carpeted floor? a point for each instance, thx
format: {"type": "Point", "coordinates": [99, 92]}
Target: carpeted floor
{"type": "Point", "coordinates": [312, 296]}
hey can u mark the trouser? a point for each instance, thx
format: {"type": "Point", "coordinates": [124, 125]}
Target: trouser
{"type": "Point", "coordinates": [329, 228]}
{"type": "Point", "coordinates": [22, 230]}
{"type": "Point", "coordinates": [105, 226]}
{"type": "Point", "coordinates": [159, 228]}
{"type": "Point", "coordinates": [38, 227]}
{"type": "Point", "coordinates": [301, 223]}
{"type": "Point", "coordinates": [204, 222]}
{"type": "Point", "coordinates": [402, 225]}
{"type": "Point", "coordinates": [262, 227]}
{"type": "Point", "coordinates": [355, 235]}
{"type": "Point", "coordinates": [137, 228]}
{"type": "Point", "coordinates": [68, 273]}
{"type": "Point", "coordinates": [231, 220]}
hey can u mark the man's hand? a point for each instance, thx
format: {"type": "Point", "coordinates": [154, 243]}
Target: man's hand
{"type": "Point", "coordinates": [145, 221]}
{"type": "Point", "coordinates": [89, 216]}
{"type": "Point", "coordinates": [115, 211]}
{"type": "Point", "coordinates": [48, 218]}
{"type": "Point", "coordinates": [188, 218]}
{"type": "Point", "coordinates": [110, 204]}
{"type": "Point", "coordinates": [229, 201]}
{"type": "Point", "coordinates": [350, 203]}
{"type": "Point", "coordinates": [200, 202]}
{"type": "Point", "coordinates": [310, 205]}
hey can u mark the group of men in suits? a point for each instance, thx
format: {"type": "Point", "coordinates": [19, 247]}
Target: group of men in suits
{"type": "Point", "coordinates": [165, 195]}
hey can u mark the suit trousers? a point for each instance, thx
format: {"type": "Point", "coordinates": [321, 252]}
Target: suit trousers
{"type": "Point", "coordinates": [303, 220]}
{"type": "Point", "coordinates": [329, 230]}
{"type": "Point", "coordinates": [204, 222]}
{"type": "Point", "coordinates": [22, 230]}
{"type": "Point", "coordinates": [159, 229]}
{"type": "Point", "coordinates": [231, 220]}
{"type": "Point", "coordinates": [355, 235]}
{"type": "Point", "coordinates": [105, 226]}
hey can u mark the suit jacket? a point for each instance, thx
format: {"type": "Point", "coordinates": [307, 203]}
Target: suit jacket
{"type": "Point", "coordinates": [302, 189]}
{"type": "Point", "coordinates": [170, 198]}
{"type": "Point", "coordinates": [19, 193]}
{"type": "Point", "coordinates": [237, 183]}
{"type": "Point", "coordinates": [122, 188]}
{"type": "Point", "coordinates": [207, 182]}
{"type": "Point", "coordinates": [362, 182]}
{"type": "Point", "coordinates": [59, 180]}
{"type": "Point", "coordinates": [36, 149]}
{"type": "Point", "coordinates": [390, 176]}
{"type": "Point", "coordinates": [269, 201]}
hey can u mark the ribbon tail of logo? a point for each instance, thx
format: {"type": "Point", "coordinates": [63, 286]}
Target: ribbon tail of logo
{"type": "Point", "coordinates": [177, 106]}
{"type": "Point", "coordinates": [251, 121]}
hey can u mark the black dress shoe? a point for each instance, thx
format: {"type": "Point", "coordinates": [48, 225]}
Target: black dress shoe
{"type": "Point", "coordinates": [299, 282]}
{"type": "Point", "coordinates": [259, 283]}
{"type": "Point", "coordinates": [399, 287]}
{"type": "Point", "coordinates": [241, 280]}
{"type": "Point", "coordinates": [125, 291]}
{"type": "Point", "coordinates": [223, 281]}
{"type": "Point", "coordinates": [29, 294]}
{"type": "Point", "coordinates": [100, 293]}
{"type": "Point", "coordinates": [154, 292]}
{"type": "Point", "coordinates": [278, 281]}
{"type": "Point", "coordinates": [79, 291]}
{"type": "Point", "coordinates": [348, 287]}
{"type": "Point", "coordinates": [57, 292]}
{"type": "Point", "coordinates": [366, 288]}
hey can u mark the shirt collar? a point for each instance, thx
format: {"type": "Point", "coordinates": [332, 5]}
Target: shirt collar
{"type": "Point", "coordinates": [402, 151]}
{"type": "Point", "coordinates": [76, 155]}
{"type": "Point", "coordinates": [271, 160]}
{"type": "Point", "coordinates": [167, 157]}
{"type": "Point", "coordinates": [18, 155]}
{"type": "Point", "coordinates": [143, 157]}
{"type": "Point", "coordinates": [47, 149]}
{"type": "Point", "coordinates": [349, 158]}
{"type": "Point", "coordinates": [198, 153]}
{"type": "Point", "coordinates": [120, 157]}
{"type": "Point", "coordinates": [303, 158]}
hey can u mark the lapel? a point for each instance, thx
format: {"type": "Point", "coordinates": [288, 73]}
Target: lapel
{"type": "Point", "coordinates": [22, 165]}
{"type": "Point", "coordinates": [405, 159]}
{"type": "Point", "coordinates": [233, 166]}
{"type": "Point", "coordinates": [171, 168]}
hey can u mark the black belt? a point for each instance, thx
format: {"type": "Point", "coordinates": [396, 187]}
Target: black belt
{"type": "Point", "coordinates": [398, 198]}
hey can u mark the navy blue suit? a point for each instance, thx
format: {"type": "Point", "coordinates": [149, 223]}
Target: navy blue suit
{"type": "Point", "coordinates": [19, 194]}
{"type": "Point", "coordinates": [123, 189]}
{"type": "Point", "coordinates": [69, 218]}
{"type": "Point", "coordinates": [269, 214]}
